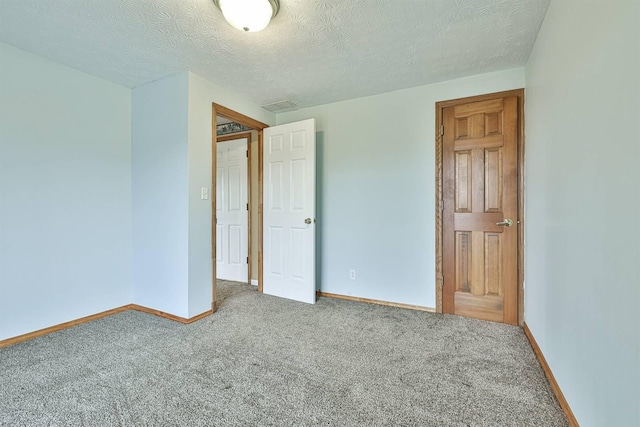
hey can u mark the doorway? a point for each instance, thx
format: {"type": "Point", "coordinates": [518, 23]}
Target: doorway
{"type": "Point", "coordinates": [479, 206]}
{"type": "Point", "coordinates": [290, 192]}
{"type": "Point", "coordinates": [233, 207]}
{"type": "Point", "coordinates": [250, 124]}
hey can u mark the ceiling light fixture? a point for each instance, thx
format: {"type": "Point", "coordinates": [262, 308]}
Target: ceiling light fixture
{"type": "Point", "coordinates": [248, 15]}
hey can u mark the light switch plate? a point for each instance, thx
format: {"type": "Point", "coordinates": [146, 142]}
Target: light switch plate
{"type": "Point", "coordinates": [204, 193]}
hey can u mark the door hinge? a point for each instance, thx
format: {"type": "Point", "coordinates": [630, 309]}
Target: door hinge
{"type": "Point", "coordinates": [442, 282]}
{"type": "Point", "coordinates": [246, 153]}
{"type": "Point", "coordinates": [441, 130]}
{"type": "Point", "coordinates": [247, 206]}
{"type": "Point", "coordinates": [247, 260]}
{"type": "Point", "coordinates": [442, 205]}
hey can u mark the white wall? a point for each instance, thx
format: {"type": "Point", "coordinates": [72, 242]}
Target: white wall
{"type": "Point", "coordinates": [65, 193]}
{"type": "Point", "coordinates": [376, 188]}
{"type": "Point", "coordinates": [202, 93]}
{"type": "Point", "coordinates": [582, 200]}
{"type": "Point", "coordinates": [160, 200]}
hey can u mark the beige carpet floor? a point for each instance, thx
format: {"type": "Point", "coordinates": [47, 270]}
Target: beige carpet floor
{"type": "Point", "coordinates": [265, 361]}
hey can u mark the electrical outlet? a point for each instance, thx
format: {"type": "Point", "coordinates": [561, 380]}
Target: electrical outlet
{"type": "Point", "coordinates": [352, 274]}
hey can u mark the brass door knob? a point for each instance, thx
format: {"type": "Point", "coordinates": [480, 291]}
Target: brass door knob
{"type": "Point", "coordinates": [307, 221]}
{"type": "Point", "coordinates": [506, 223]}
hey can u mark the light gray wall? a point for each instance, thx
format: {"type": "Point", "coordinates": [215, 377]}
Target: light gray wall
{"type": "Point", "coordinates": [65, 194]}
{"type": "Point", "coordinates": [582, 201]}
{"type": "Point", "coordinates": [376, 188]}
{"type": "Point", "coordinates": [160, 199]}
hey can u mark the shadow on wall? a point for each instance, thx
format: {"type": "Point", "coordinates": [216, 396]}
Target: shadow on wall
{"type": "Point", "coordinates": [319, 223]}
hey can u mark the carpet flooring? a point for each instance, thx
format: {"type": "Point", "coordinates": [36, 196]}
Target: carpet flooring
{"type": "Point", "coordinates": [265, 361]}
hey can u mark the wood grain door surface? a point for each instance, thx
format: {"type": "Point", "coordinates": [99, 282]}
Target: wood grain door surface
{"type": "Point", "coordinates": [480, 190]}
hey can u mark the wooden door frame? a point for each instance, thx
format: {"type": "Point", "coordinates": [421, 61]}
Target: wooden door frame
{"type": "Point", "coordinates": [247, 136]}
{"type": "Point", "coordinates": [440, 106]}
{"type": "Point", "coordinates": [219, 110]}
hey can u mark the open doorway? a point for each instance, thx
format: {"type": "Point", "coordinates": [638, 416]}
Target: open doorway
{"type": "Point", "coordinates": [287, 269]}
{"type": "Point", "coordinates": [234, 206]}
{"type": "Point", "coordinates": [244, 263]}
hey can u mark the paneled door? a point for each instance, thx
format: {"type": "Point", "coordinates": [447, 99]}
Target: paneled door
{"type": "Point", "coordinates": [289, 211]}
{"type": "Point", "coordinates": [232, 215]}
{"type": "Point", "coordinates": [480, 208]}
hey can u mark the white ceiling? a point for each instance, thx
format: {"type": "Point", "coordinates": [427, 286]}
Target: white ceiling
{"type": "Point", "coordinates": [314, 51]}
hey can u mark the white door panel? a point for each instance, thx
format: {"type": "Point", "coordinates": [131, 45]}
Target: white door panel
{"type": "Point", "coordinates": [232, 215]}
{"type": "Point", "coordinates": [289, 199]}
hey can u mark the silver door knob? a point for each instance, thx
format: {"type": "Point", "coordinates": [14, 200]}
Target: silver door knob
{"type": "Point", "coordinates": [307, 221]}
{"type": "Point", "coordinates": [506, 223]}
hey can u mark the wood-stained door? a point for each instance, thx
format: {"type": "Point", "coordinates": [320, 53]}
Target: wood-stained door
{"type": "Point", "coordinates": [480, 209]}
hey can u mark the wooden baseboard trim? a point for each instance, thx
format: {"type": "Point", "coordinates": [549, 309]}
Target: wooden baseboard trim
{"type": "Point", "coordinates": [170, 316]}
{"type": "Point", "coordinates": [552, 381]}
{"type": "Point", "coordinates": [375, 301]}
{"type": "Point", "coordinates": [61, 326]}
{"type": "Point", "coordinates": [66, 325]}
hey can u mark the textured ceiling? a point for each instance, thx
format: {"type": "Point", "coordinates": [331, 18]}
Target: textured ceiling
{"type": "Point", "coordinates": [314, 51]}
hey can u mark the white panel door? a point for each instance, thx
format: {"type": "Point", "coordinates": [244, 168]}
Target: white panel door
{"type": "Point", "coordinates": [232, 216]}
{"type": "Point", "coordinates": [289, 211]}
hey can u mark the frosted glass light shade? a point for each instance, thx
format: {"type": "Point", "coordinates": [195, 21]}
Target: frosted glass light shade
{"type": "Point", "coordinates": [248, 15]}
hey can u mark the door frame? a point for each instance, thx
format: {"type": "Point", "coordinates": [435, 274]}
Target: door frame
{"type": "Point", "coordinates": [219, 110]}
{"type": "Point", "coordinates": [440, 106]}
{"type": "Point", "coordinates": [232, 137]}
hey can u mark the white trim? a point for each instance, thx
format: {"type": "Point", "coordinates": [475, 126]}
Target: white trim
{"type": "Point", "coordinates": [254, 282]}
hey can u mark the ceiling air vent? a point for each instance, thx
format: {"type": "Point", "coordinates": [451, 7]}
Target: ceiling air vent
{"type": "Point", "coordinates": [280, 106]}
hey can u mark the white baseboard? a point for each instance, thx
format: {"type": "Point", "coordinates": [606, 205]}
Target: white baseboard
{"type": "Point", "coordinates": [254, 282]}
